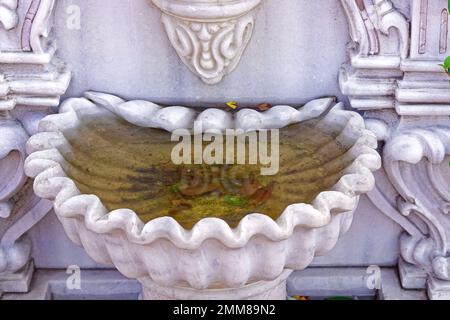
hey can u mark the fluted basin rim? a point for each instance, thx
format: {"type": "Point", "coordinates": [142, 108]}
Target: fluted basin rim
{"type": "Point", "coordinates": [51, 182]}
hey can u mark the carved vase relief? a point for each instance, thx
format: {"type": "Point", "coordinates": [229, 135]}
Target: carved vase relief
{"type": "Point", "coordinates": [209, 36]}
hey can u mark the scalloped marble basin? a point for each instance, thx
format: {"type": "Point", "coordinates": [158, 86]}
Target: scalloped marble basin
{"type": "Point", "coordinates": [190, 231]}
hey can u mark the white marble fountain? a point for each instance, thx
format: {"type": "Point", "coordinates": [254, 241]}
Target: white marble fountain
{"type": "Point", "coordinates": [211, 260]}
{"type": "Point", "coordinates": [381, 58]}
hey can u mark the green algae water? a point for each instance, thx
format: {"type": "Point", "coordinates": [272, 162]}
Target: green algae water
{"type": "Point", "coordinates": [130, 167]}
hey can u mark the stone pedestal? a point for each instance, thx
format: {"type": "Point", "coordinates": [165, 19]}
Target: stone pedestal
{"type": "Point", "coordinates": [262, 290]}
{"type": "Point", "coordinates": [411, 276]}
{"type": "Point", "coordinates": [438, 289]}
{"type": "Point", "coordinates": [17, 282]}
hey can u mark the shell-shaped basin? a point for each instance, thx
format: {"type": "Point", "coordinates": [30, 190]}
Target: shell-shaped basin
{"type": "Point", "coordinates": [106, 163]}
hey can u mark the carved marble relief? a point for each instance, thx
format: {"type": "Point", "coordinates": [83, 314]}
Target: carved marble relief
{"type": "Point", "coordinates": [430, 33]}
{"type": "Point", "coordinates": [406, 99]}
{"type": "Point", "coordinates": [415, 158]}
{"type": "Point", "coordinates": [380, 36]}
{"type": "Point", "coordinates": [443, 32]}
{"type": "Point", "coordinates": [39, 87]}
{"type": "Point", "coordinates": [209, 38]}
{"type": "Point", "coordinates": [393, 76]}
{"type": "Point", "coordinates": [31, 81]}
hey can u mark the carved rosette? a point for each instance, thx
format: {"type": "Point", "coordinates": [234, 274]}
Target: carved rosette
{"type": "Point", "coordinates": [209, 36]}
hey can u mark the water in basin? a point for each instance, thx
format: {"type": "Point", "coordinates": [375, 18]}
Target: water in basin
{"type": "Point", "coordinates": [130, 167]}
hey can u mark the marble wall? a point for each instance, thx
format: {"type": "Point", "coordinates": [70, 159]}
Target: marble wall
{"type": "Point", "coordinates": [294, 55]}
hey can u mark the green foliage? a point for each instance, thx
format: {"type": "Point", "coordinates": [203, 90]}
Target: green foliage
{"type": "Point", "coordinates": [175, 188]}
{"type": "Point", "coordinates": [446, 65]}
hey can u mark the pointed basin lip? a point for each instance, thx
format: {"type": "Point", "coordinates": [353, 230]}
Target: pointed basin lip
{"type": "Point", "coordinates": [52, 182]}
{"type": "Point", "coordinates": [206, 10]}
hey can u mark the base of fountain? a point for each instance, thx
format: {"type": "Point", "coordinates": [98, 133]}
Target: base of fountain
{"type": "Point", "coordinates": [262, 290]}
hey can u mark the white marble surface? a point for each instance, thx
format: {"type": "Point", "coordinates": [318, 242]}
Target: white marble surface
{"type": "Point", "coordinates": [313, 37]}
{"type": "Point", "coordinates": [360, 248]}
{"type": "Point", "coordinates": [291, 59]}
{"type": "Point", "coordinates": [306, 67]}
{"type": "Point", "coordinates": [355, 248]}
